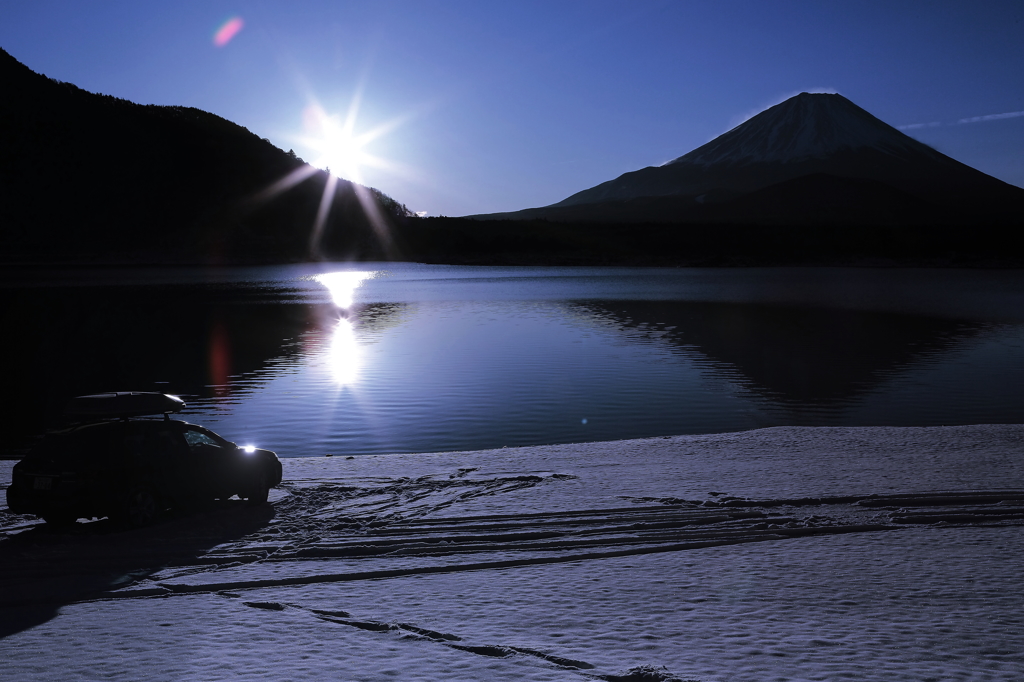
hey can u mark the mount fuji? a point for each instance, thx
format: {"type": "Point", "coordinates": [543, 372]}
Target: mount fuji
{"type": "Point", "coordinates": [812, 159]}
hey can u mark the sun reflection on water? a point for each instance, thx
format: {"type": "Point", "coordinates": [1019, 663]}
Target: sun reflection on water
{"type": "Point", "coordinates": [343, 354]}
{"type": "Point", "coordinates": [343, 285]}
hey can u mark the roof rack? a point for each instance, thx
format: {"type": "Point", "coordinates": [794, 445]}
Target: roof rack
{"type": "Point", "coordinates": [123, 405]}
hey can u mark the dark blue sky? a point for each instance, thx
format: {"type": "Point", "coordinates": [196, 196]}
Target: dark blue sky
{"type": "Point", "coordinates": [472, 107]}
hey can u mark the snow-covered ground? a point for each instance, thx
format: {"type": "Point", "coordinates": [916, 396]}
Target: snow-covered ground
{"type": "Point", "coordinates": [778, 554]}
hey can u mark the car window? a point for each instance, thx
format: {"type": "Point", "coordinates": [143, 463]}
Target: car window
{"type": "Point", "coordinates": [198, 438]}
{"type": "Point", "coordinates": [86, 445]}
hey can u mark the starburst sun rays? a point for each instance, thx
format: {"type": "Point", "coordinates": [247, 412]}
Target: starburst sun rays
{"type": "Point", "coordinates": [342, 151]}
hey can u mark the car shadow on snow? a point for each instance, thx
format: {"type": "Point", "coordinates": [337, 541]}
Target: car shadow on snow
{"type": "Point", "coordinates": [44, 568]}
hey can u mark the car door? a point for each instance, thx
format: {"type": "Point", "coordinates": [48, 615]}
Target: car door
{"type": "Point", "coordinates": [211, 460]}
{"type": "Point", "coordinates": [170, 460]}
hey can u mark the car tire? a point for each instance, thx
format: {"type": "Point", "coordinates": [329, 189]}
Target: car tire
{"type": "Point", "coordinates": [142, 506]}
{"type": "Point", "coordinates": [260, 489]}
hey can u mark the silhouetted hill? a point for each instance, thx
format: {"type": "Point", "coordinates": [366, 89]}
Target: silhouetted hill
{"type": "Point", "coordinates": [813, 159]}
{"type": "Point", "coordinates": [552, 242]}
{"type": "Point", "coordinates": [88, 175]}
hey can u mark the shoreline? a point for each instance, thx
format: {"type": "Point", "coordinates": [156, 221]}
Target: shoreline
{"type": "Point", "coordinates": [7, 456]}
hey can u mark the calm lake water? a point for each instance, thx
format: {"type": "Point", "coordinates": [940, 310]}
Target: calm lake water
{"type": "Point", "coordinates": [377, 358]}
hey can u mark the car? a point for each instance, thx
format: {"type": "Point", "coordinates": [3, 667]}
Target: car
{"type": "Point", "coordinates": [113, 461]}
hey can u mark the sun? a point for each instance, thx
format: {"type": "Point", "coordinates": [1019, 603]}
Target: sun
{"type": "Point", "coordinates": [336, 144]}
{"type": "Point", "coordinates": [342, 146]}
{"type": "Point", "coordinates": [345, 154]}
{"type": "Point", "coordinates": [339, 149]}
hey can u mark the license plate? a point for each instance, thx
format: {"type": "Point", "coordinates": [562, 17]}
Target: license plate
{"type": "Point", "coordinates": [43, 483]}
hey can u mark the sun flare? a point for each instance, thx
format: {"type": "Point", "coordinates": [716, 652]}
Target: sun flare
{"type": "Point", "coordinates": [339, 149]}
{"type": "Point", "coordinates": [336, 144]}
{"type": "Point", "coordinates": [342, 144]}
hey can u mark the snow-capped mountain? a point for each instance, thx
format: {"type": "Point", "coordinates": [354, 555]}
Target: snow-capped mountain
{"type": "Point", "coordinates": [803, 127]}
{"type": "Point", "coordinates": [805, 137]}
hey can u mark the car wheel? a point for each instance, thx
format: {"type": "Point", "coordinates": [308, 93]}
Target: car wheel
{"type": "Point", "coordinates": [142, 507]}
{"type": "Point", "coordinates": [260, 489]}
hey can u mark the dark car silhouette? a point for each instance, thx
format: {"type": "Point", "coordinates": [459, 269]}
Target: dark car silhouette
{"type": "Point", "coordinates": [113, 463]}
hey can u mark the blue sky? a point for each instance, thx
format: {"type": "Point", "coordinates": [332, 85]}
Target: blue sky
{"type": "Point", "coordinates": [477, 107]}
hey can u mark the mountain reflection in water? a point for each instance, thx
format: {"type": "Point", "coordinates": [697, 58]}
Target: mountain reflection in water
{"type": "Point", "coordinates": [428, 358]}
{"type": "Point", "coordinates": [800, 355]}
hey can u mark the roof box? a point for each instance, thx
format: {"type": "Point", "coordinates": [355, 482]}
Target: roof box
{"type": "Point", "coordinates": [123, 404]}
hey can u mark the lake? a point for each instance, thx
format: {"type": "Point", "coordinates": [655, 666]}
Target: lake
{"type": "Point", "coordinates": [366, 358]}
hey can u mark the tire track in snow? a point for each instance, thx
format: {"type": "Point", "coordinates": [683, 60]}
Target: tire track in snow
{"type": "Point", "coordinates": [651, 522]}
{"type": "Point", "coordinates": [405, 498]}
{"type": "Point", "coordinates": [646, 673]}
{"type": "Point", "coordinates": [361, 530]}
{"type": "Point", "coordinates": [964, 508]}
{"type": "Point", "coordinates": [667, 525]}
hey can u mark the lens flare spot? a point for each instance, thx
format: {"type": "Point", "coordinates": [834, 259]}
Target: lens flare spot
{"type": "Point", "coordinates": [219, 359]}
{"type": "Point", "coordinates": [227, 31]}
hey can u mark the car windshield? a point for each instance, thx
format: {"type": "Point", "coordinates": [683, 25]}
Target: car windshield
{"type": "Point", "coordinates": [197, 438]}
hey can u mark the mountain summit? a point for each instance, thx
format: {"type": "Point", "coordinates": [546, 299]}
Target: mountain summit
{"type": "Point", "coordinates": [803, 127]}
{"type": "Point", "coordinates": [806, 145]}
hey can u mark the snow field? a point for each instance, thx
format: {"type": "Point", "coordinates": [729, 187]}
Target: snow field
{"type": "Point", "coordinates": [701, 557]}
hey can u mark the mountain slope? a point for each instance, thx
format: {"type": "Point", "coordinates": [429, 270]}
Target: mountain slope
{"type": "Point", "coordinates": [88, 174]}
{"type": "Point", "coordinates": [807, 135]}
